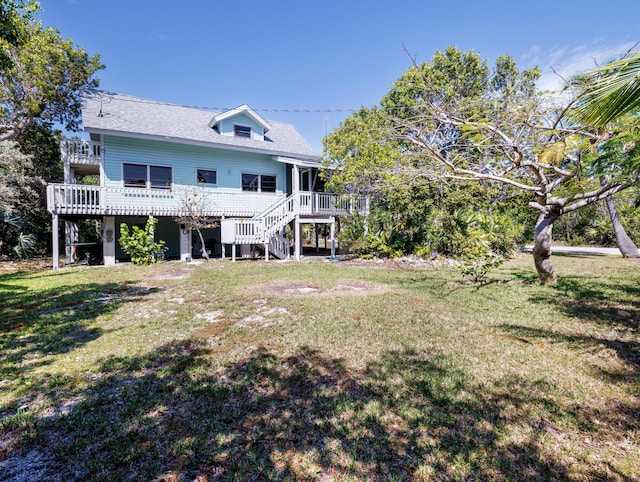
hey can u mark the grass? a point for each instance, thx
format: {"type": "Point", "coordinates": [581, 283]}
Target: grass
{"type": "Point", "coordinates": [321, 371]}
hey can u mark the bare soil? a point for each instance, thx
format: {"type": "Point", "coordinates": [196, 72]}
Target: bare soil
{"type": "Point", "coordinates": [346, 287]}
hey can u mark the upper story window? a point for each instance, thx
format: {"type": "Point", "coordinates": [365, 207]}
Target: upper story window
{"type": "Point", "coordinates": [268, 183]}
{"type": "Point", "coordinates": [206, 176]}
{"type": "Point", "coordinates": [241, 131]}
{"type": "Point", "coordinates": [134, 175]}
{"type": "Point", "coordinates": [143, 175]}
{"type": "Point", "coordinates": [259, 183]}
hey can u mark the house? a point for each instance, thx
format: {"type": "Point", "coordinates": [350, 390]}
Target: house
{"type": "Point", "coordinates": [149, 158]}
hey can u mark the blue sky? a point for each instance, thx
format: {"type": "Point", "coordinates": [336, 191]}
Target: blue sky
{"type": "Point", "coordinates": [324, 55]}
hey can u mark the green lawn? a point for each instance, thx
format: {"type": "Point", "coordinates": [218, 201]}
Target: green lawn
{"type": "Point", "coordinates": [320, 371]}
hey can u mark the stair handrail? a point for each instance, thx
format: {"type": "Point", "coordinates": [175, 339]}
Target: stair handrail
{"type": "Point", "coordinates": [279, 245]}
{"type": "Point", "coordinates": [275, 206]}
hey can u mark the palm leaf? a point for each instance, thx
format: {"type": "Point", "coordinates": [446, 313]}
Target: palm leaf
{"type": "Point", "coordinates": [615, 91]}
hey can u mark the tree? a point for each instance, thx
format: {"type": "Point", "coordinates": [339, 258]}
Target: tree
{"type": "Point", "coordinates": [193, 209]}
{"type": "Point", "coordinates": [41, 74]}
{"type": "Point", "coordinates": [454, 120]}
{"type": "Point", "coordinates": [17, 188]}
{"type": "Point", "coordinates": [607, 95]}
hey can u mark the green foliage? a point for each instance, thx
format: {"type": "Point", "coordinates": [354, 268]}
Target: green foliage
{"type": "Point", "coordinates": [351, 235]}
{"type": "Point", "coordinates": [471, 235]}
{"type": "Point", "coordinates": [140, 245]}
{"type": "Point", "coordinates": [373, 154]}
{"type": "Point", "coordinates": [359, 158]}
{"type": "Point", "coordinates": [502, 232]}
{"type": "Point", "coordinates": [41, 74]}
{"type": "Point", "coordinates": [28, 162]}
{"type": "Point", "coordinates": [20, 190]}
{"type": "Point", "coordinates": [614, 91]}
{"type": "Point", "coordinates": [592, 224]}
{"type": "Point", "coordinates": [619, 154]}
{"type": "Point", "coordinates": [479, 267]}
{"type": "Point", "coordinates": [452, 74]}
{"type": "Point", "coordinates": [454, 121]}
{"type": "Point", "coordinates": [383, 245]}
{"type": "Point", "coordinates": [411, 223]}
{"type": "Point", "coordinates": [456, 234]}
{"type": "Point", "coordinates": [25, 245]}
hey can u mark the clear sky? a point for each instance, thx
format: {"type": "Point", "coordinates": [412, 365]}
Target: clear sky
{"type": "Point", "coordinates": [324, 55]}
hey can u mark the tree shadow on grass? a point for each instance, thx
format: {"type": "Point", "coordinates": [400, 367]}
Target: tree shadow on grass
{"type": "Point", "coordinates": [50, 321]}
{"type": "Point", "coordinates": [615, 306]}
{"type": "Point", "coordinates": [173, 415]}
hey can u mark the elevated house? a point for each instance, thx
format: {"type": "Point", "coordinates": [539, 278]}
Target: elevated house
{"type": "Point", "coordinates": [149, 158]}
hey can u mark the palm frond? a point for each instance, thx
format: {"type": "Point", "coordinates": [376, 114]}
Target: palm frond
{"type": "Point", "coordinates": [615, 91]}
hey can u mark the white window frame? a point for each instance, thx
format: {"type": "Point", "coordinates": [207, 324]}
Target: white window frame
{"type": "Point", "coordinates": [259, 181]}
{"type": "Point", "coordinates": [243, 126]}
{"type": "Point", "coordinates": [198, 183]}
{"type": "Point", "coordinates": [148, 176]}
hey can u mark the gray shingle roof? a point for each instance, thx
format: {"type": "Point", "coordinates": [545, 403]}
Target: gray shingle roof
{"type": "Point", "coordinates": [107, 112]}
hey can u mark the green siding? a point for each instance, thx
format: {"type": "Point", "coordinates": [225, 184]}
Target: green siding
{"type": "Point", "coordinates": [185, 159]}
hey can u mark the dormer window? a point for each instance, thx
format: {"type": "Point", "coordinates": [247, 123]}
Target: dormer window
{"type": "Point", "coordinates": [241, 131]}
{"type": "Point", "coordinates": [242, 121]}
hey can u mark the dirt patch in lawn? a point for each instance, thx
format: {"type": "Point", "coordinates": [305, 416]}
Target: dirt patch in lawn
{"type": "Point", "coordinates": [213, 330]}
{"type": "Point", "coordinates": [341, 288]}
{"type": "Point", "coordinates": [170, 273]}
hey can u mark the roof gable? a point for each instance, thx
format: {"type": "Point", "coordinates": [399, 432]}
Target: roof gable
{"type": "Point", "coordinates": [238, 111]}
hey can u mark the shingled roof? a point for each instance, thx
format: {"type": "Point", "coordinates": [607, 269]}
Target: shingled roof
{"type": "Point", "coordinates": [118, 114]}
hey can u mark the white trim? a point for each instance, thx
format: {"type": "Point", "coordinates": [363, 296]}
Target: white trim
{"type": "Point", "coordinates": [146, 179]}
{"type": "Point", "coordinates": [103, 175]}
{"type": "Point", "coordinates": [302, 162]}
{"type": "Point", "coordinates": [205, 184]}
{"type": "Point", "coordinates": [243, 109]}
{"type": "Point", "coordinates": [326, 220]}
{"type": "Point", "coordinates": [259, 174]}
{"type": "Point", "coordinates": [148, 176]}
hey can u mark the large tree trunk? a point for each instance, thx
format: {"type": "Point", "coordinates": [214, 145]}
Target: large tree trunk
{"type": "Point", "coordinates": [543, 236]}
{"type": "Point", "coordinates": [626, 246]}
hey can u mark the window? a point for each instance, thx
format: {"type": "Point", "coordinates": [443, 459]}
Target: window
{"type": "Point", "coordinates": [134, 175]}
{"type": "Point", "coordinates": [160, 177]}
{"type": "Point", "coordinates": [250, 182]}
{"type": "Point", "coordinates": [259, 183]}
{"type": "Point", "coordinates": [205, 176]}
{"type": "Point", "coordinates": [241, 131]}
{"type": "Point", "coordinates": [141, 175]}
{"type": "Point", "coordinates": [268, 183]}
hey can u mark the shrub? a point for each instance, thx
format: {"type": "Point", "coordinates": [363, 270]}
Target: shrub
{"type": "Point", "coordinates": [139, 244]}
{"type": "Point", "coordinates": [479, 267]}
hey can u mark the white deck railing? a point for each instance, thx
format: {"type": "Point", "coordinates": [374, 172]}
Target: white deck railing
{"type": "Point", "coordinates": [78, 151]}
{"type": "Point", "coordinates": [121, 201]}
{"type": "Point", "coordinates": [276, 209]}
{"type": "Point", "coordinates": [329, 204]}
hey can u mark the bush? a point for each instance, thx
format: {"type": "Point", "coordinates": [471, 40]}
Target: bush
{"type": "Point", "coordinates": [139, 244]}
{"type": "Point", "coordinates": [478, 268]}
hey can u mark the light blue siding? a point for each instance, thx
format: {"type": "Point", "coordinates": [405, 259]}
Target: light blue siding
{"type": "Point", "coordinates": [185, 160]}
{"type": "Point", "coordinates": [226, 126]}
